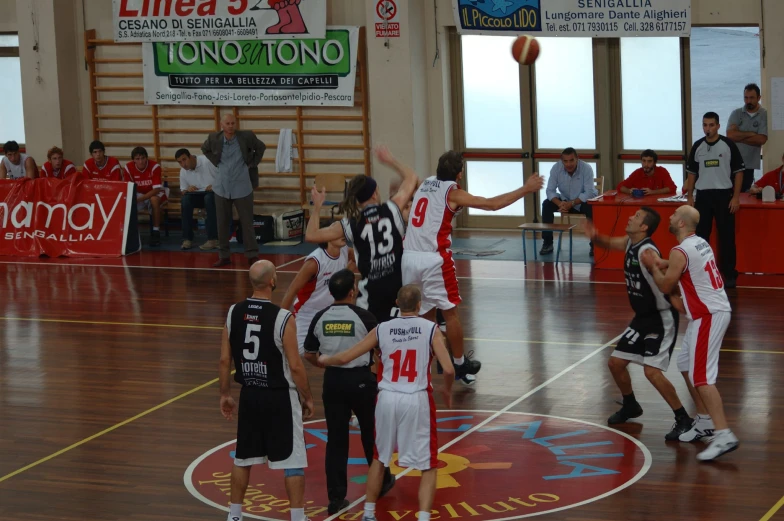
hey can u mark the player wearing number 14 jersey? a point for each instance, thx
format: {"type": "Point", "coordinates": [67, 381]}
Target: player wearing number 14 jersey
{"type": "Point", "coordinates": [692, 266]}
{"type": "Point", "coordinates": [405, 410]}
{"type": "Point", "coordinates": [427, 254]}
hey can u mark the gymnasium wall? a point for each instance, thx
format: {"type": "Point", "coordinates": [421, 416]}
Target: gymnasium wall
{"type": "Point", "coordinates": [410, 107]}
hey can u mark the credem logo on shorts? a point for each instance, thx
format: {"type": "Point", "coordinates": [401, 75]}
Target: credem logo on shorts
{"type": "Point", "coordinates": [710, 163]}
{"type": "Point", "coordinates": [338, 328]}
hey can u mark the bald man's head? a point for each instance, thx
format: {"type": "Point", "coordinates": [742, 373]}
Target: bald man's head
{"type": "Point", "coordinates": [409, 298]}
{"type": "Point", "coordinates": [229, 124]}
{"type": "Point", "coordinates": [263, 275]}
{"type": "Point", "coordinates": [684, 218]}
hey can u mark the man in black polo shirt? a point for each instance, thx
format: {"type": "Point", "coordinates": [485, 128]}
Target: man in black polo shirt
{"type": "Point", "coordinates": [713, 165]}
{"type": "Point", "coordinates": [347, 388]}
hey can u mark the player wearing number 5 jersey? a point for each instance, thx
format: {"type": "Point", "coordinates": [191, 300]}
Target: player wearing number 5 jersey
{"type": "Point", "coordinates": [427, 254]}
{"type": "Point", "coordinates": [405, 410]}
{"type": "Point", "coordinates": [693, 267]}
{"type": "Point", "coordinates": [375, 229]}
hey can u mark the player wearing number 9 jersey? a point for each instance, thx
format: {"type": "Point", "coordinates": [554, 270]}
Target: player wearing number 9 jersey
{"type": "Point", "coordinates": [376, 231]}
{"type": "Point", "coordinates": [405, 410]}
{"type": "Point", "coordinates": [427, 254]}
{"type": "Point", "coordinates": [692, 266]}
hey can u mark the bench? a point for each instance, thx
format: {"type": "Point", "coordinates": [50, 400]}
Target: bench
{"type": "Point", "coordinates": [543, 227]}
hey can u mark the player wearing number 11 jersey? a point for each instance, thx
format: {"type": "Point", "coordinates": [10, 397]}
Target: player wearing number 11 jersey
{"type": "Point", "coordinates": [427, 254]}
{"type": "Point", "coordinates": [405, 410]}
{"type": "Point", "coordinates": [692, 266]}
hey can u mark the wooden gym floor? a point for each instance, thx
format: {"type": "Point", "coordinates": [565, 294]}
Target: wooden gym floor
{"type": "Point", "coordinates": [108, 393]}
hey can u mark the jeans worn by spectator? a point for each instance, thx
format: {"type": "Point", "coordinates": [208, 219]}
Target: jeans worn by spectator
{"type": "Point", "coordinates": [204, 200]}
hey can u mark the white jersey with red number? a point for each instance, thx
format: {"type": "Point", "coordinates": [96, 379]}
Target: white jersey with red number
{"type": "Point", "coordinates": [148, 179]}
{"type": "Point", "coordinates": [701, 284]}
{"type": "Point", "coordinates": [110, 171]}
{"type": "Point", "coordinates": [315, 295]}
{"type": "Point", "coordinates": [66, 170]}
{"type": "Point", "coordinates": [406, 345]}
{"type": "Point", "coordinates": [430, 219]}
{"type": "Point", "coordinates": [15, 171]}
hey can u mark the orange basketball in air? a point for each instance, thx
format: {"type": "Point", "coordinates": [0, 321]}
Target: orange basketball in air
{"type": "Point", "coordinates": [525, 49]}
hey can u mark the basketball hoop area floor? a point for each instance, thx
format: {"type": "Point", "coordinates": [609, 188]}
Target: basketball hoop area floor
{"type": "Point", "coordinates": [109, 402]}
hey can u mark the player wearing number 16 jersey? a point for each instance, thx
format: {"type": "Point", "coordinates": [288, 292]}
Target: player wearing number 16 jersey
{"type": "Point", "coordinates": [692, 266]}
{"type": "Point", "coordinates": [375, 229]}
{"type": "Point", "coordinates": [427, 255]}
{"type": "Point", "coordinates": [405, 410]}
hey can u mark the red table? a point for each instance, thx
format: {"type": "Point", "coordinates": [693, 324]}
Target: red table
{"type": "Point", "coordinates": [759, 230]}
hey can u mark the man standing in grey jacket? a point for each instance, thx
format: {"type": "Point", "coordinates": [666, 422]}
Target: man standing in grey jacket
{"type": "Point", "coordinates": [236, 154]}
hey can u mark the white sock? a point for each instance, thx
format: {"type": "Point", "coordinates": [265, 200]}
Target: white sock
{"type": "Point", "coordinates": [722, 432]}
{"type": "Point", "coordinates": [459, 361]}
{"type": "Point", "coordinates": [704, 416]}
{"type": "Point", "coordinates": [156, 229]}
{"type": "Point", "coordinates": [297, 514]}
{"type": "Point", "coordinates": [235, 510]}
{"type": "Point", "coordinates": [370, 510]}
{"type": "Point", "coordinates": [423, 516]}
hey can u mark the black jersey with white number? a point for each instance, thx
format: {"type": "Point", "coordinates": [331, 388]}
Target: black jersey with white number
{"type": "Point", "coordinates": [644, 295]}
{"type": "Point", "coordinates": [378, 242]}
{"type": "Point", "coordinates": [256, 338]}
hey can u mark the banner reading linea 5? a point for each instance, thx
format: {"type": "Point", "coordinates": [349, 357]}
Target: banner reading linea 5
{"type": "Point", "coordinates": [253, 72]}
{"type": "Point", "coordinates": [593, 18]}
{"type": "Point", "coordinates": [204, 20]}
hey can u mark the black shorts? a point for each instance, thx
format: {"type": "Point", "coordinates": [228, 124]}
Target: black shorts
{"type": "Point", "coordinates": [650, 339]}
{"type": "Point", "coordinates": [270, 429]}
{"type": "Point", "coordinates": [379, 297]}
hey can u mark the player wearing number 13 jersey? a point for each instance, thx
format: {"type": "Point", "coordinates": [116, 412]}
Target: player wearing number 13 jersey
{"type": "Point", "coordinates": [692, 266]}
{"type": "Point", "coordinates": [376, 231]}
{"type": "Point", "coordinates": [427, 254]}
{"type": "Point", "coordinates": [405, 410]}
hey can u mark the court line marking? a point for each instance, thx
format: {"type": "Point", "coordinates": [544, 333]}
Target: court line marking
{"type": "Point", "coordinates": [219, 328]}
{"type": "Point", "coordinates": [108, 430]}
{"type": "Point", "coordinates": [773, 510]}
{"type": "Point", "coordinates": [188, 475]}
{"type": "Point", "coordinates": [496, 415]}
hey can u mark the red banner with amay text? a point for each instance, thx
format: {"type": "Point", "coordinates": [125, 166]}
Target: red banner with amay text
{"type": "Point", "coordinates": [67, 217]}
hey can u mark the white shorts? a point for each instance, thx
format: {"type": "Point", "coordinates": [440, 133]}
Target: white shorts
{"type": "Point", "coordinates": [701, 346]}
{"type": "Point", "coordinates": [435, 275]}
{"type": "Point", "coordinates": [408, 422]}
{"type": "Point", "coordinates": [303, 320]}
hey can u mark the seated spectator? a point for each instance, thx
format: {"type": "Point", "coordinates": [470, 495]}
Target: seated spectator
{"type": "Point", "coordinates": [570, 185]}
{"type": "Point", "coordinates": [57, 166]}
{"type": "Point", "coordinates": [100, 166]}
{"type": "Point", "coordinates": [197, 176]}
{"type": "Point", "coordinates": [651, 179]}
{"type": "Point", "coordinates": [150, 193]}
{"type": "Point", "coordinates": [772, 178]}
{"type": "Point", "coordinates": [15, 165]}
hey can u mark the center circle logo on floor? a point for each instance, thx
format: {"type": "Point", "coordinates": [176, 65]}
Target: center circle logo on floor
{"type": "Point", "coordinates": [515, 465]}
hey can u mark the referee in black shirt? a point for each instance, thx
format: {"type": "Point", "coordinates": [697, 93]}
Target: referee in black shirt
{"type": "Point", "coordinates": [350, 387]}
{"type": "Point", "coordinates": [715, 168]}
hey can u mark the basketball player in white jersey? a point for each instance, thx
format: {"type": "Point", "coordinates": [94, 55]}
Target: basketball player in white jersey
{"type": "Point", "coordinates": [309, 291]}
{"type": "Point", "coordinates": [15, 165]}
{"type": "Point", "coordinates": [427, 257]}
{"type": "Point", "coordinates": [692, 267]}
{"type": "Point", "coordinates": [405, 410]}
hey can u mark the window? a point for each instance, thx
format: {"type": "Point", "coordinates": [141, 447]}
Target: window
{"type": "Point", "coordinates": [675, 170]}
{"type": "Point", "coordinates": [564, 94]}
{"type": "Point", "coordinates": [491, 178]}
{"type": "Point", "coordinates": [491, 93]}
{"type": "Point", "coordinates": [651, 93]}
{"type": "Point", "coordinates": [11, 90]}
{"type": "Point", "coordinates": [544, 170]}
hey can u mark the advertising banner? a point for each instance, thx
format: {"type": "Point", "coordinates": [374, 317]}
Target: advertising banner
{"type": "Point", "coordinates": [70, 217]}
{"type": "Point", "coordinates": [206, 20]}
{"type": "Point", "coordinates": [253, 72]}
{"type": "Point", "coordinates": [592, 18]}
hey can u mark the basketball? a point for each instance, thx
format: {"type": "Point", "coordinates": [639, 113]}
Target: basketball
{"type": "Point", "coordinates": [525, 50]}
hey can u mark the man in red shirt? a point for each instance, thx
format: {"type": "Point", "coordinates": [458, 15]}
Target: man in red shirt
{"type": "Point", "coordinates": [773, 178]}
{"type": "Point", "coordinates": [150, 194]}
{"type": "Point", "coordinates": [100, 166]}
{"type": "Point", "coordinates": [651, 179]}
{"type": "Point", "coordinates": [57, 166]}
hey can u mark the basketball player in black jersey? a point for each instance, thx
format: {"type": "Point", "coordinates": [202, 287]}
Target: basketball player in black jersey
{"type": "Point", "coordinates": [261, 339]}
{"type": "Point", "coordinates": [650, 338]}
{"type": "Point", "coordinates": [375, 229]}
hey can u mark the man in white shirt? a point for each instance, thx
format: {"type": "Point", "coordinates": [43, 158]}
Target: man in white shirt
{"type": "Point", "coordinates": [197, 176]}
{"type": "Point", "coordinates": [16, 165]}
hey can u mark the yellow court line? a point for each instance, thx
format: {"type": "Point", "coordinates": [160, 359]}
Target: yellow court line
{"type": "Point", "coordinates": [773, 510]}
{"type": "Point", "coordinates": [101, 323]}
{"type": "Point", "coordinates": [106, 431]}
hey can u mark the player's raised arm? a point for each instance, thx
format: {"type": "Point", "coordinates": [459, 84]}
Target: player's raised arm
{"type": "Point", "coordinates": [315, 234]}
{"type": "Point", "coordinates": [409, 178]}
{"type": "Point", "coordinates": [666, 281]}
{"type": "Point", "coordinates": [604, 241]}
{"type": "Point", "coordinates": [365, 345]}
{"type": "Point", "coordinates": [459, 197]}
